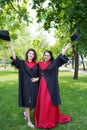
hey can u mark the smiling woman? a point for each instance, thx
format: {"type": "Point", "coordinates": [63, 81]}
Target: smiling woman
{"type": "Point", "coordinates": [47, 111]}
{"type": "Point", "coordinates": [28, 80]}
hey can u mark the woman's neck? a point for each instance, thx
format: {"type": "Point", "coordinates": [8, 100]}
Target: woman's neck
{"type": "Point", "coordinates": [29, 60]}
{"type": "Point", "coordinates": [46, 62]}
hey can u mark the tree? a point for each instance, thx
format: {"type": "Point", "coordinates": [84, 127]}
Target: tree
{"type": "Point", "coordinates": [72, 14]}
{"type": "Point", "coordinates": [13, 15]}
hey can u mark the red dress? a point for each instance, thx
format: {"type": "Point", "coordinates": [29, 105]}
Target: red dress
{"type": "Point", "coordinates": [47, 115]}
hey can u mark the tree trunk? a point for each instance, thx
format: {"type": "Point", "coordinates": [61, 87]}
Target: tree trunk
{"type": "Point", "coordinates": [4, 58]}
{"type": "Point", "coordinates": [83, 63]}
{"type": "Point", "coordinates": [73, 60]}
{"type": "Point", "coordinates": [76, 56]}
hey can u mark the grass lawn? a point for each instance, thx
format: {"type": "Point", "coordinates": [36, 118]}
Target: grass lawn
{"type": "Point", "coordinates": [73, 97]}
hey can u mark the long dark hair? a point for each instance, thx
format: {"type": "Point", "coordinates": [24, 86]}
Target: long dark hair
{"type": "Point", "coordinates": [51, 55]}
{"type": "Point", "coordinates": [35, 55]}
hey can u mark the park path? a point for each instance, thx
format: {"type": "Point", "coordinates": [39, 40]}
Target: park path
{"type": "Point", "coordinates": [61, 68]}
{"type": "Point", "coordinates": [72, 70]}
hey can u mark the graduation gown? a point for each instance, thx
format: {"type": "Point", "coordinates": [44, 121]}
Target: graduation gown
{"type": "Point", "coordinates": [27, 89]}
{"type": "Point", "coordinates": [47, 112]}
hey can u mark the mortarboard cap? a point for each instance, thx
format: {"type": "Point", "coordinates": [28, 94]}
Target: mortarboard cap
{"type": "Point", "coordinates": [4, 35]}
{"type": "Point", "coordinates": [74, 37]}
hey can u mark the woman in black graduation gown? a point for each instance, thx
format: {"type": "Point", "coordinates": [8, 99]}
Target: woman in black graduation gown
{"type": "Point", "coordinates": [28, 81]}
{"type": "Point", "coordinates": [47, 111]}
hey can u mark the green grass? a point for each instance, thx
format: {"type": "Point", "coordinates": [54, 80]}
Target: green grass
{"type": "Point", "coordinates": [73, 96]}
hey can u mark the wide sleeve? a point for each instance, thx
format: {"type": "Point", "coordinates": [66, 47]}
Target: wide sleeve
{"type": "Point", "coordinates": [16, 62]}
{"type": "Point", "coordinates": [60, 60]}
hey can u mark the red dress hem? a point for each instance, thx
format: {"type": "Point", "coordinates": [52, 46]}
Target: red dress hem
{"type": "Point", "coordinates": [47, 115]}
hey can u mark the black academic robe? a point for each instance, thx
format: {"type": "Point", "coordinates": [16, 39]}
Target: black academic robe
{"type": "Point", "coordinates": [27, 89]}
{"type": "Point", "coordinates": [51, 76]}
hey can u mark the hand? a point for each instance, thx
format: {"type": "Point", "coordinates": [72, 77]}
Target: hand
{"type": "Point", "coordinates": [12, 49]}
{"type": "Point", "coordinates": [34, 79]}
{"type": "Point", "coordinates": [69, 45]}
{"type": "Point", "coordinates": [10, 44]}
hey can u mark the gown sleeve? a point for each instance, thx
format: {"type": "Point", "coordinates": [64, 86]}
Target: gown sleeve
{"type": "Point", "coordinates": [16, 62]}
{"type": "Point", "coordinates": [60, 60]}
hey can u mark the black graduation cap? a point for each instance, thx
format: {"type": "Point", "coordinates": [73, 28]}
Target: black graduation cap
{"type": "Point", "coordinates": [74, 37]}
{"type": "Point", "coordinates": [4, 35]}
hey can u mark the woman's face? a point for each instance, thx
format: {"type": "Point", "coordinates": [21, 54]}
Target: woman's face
{"type": "Point", "coordinates": [30, 55]}
{"type": "Point", "coordinates": [46, 56]}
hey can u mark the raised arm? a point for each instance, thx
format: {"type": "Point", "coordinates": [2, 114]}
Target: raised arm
{"type": "Point", "coordinates": [66, 48]}
{"type": "Point", "coordinates": [12, 49]}
{"type": "Point", "coordinates": [62, 58]}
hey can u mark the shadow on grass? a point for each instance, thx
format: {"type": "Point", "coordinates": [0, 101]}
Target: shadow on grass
{"type": "Point", "coordinates": [7, 72]}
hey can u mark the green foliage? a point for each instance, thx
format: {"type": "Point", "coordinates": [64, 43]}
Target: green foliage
{"type": "Point", "coordinates": [25, 41]}
{"type": "Point", "coordinates": [70, 14]}
{"type": "Point", "coordinates": [13, 14]}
